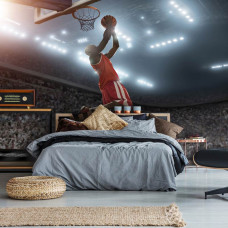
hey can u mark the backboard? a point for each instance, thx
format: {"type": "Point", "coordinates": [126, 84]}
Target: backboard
{"type": "Point", "coordinates": [43, 15]}
{"type": "Point", "coordinates": [46, 10]}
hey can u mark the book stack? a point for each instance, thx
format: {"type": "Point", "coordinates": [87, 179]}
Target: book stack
{"type": "Point", "coordinates": [197, 138]}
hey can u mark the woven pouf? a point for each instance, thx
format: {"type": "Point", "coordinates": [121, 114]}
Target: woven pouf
{"type": "Point", "coordinates": [35, 188]}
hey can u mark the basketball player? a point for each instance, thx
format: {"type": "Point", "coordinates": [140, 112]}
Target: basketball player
{"type": "Point", "coordinates": [109, 83]}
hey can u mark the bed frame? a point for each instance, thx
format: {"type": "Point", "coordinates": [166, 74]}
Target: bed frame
{"type": "Point", "coordinates": [59, 116]}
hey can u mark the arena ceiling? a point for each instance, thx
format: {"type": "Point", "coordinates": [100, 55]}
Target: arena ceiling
{"type": "Point", "coordinates": [172, 53]}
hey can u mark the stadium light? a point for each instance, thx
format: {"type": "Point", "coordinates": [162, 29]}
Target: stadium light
{"type": "Point", "coordinates": [181, 11]}
{"type": "Point", "coordinates": [122, 74]}
{"type": "Point", "coordinates": [37, 38]}
{"type": "Point", "coordinates": [84, 59]}
{"type": "Point", "coordinates": [142, 82]}
{"type": "Point", "coordinates": [53, 37]}
{"type": "Point", "coordinates": [129, 45]}
{"type": "Point", "coordinates": [82, 40]}
{"type": "Point", "coordinates": [164, 43]}
{"type": "Point", "coordinates": [219, 66]}
{"type": "Point", "coordinates": [216, 67]}
{"type": "Point", "coordinates": [125, 37]}
{"type": "Point", "coordinates": [54, 47]}
{"type": "Point", "coordinates": [23, 35]}
{"type": "Point", "coordinates": [11, 21]}
{"type": "Point", "coordinates": [14, 32]}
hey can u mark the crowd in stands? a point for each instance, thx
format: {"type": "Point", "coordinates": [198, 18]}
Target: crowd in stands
{"type": "Point", "coordinates": [63, 67]}
{"type": "Point", "coordinates": [40, 61]}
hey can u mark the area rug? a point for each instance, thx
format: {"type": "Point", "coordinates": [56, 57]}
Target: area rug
{"type": "Point", "coordinates": [92, 216]}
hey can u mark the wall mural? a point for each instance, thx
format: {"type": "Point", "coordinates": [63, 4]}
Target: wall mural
{"type": "Point", "coordinates": [187, 86]}
{"type": "Point", "coordinates": [208, 120]}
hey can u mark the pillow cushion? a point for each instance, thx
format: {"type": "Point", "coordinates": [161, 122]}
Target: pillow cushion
{"type": "Point", "coordinates": [147, 126]}
{"type": "Point", "coordinates": [84, 113]}
{"type": "Point", "coordinates": [140, 117]}
{"type": "Point", "coordinates": [136, 117]}
{"type": "Point", "coordinates": [126, 118]}
{"type": "Point", "coordinates": [165, 127]}
{"type": "Point", "coordinates": [70, 125]}
{"type": "Point", "coordinates": [103, 119]}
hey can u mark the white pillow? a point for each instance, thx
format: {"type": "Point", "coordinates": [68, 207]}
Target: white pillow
{"type": "Point", "coordinates": [127, 118]}
{"type": "Point", "coordinates": [147, 126]}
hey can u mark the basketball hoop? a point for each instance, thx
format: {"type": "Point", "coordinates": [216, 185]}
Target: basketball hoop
{"type": "Point", "coordinates": [86, 16]}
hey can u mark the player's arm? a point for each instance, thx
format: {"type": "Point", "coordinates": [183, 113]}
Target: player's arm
{"type": "Point", "coordinates": [104, 42]}
{"type": "Point", "coordinates": [114, 47]}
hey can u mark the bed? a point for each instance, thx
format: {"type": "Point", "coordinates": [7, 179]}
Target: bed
{"type": "Point", "coordinates": [109, 160]}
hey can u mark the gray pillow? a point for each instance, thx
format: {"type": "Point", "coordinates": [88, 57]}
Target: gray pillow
{"type": "Point", "coordinates": [147, 126]}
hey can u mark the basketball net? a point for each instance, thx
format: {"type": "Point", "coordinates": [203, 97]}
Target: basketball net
{"type": "Point", "coordinates": [86, 17]}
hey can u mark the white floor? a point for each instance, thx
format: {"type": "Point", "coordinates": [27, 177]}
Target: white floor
{"type": "Point", "coordinates": [197, 212]}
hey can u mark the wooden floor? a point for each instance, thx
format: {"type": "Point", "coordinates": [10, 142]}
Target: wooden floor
{"type": "Point", "coordinates": [197, 212]}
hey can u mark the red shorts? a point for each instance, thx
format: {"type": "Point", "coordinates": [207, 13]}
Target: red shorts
{"type": "Point", "coordinates": [115, 91]}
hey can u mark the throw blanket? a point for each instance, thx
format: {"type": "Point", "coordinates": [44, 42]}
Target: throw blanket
{"type": "Point", "coordinates": [179, 158]}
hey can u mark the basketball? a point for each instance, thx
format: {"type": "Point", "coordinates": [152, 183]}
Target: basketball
{"type": "Point", "coordinates": [108, 20]}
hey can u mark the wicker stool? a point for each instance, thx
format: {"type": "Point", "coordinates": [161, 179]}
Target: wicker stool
{"type": "Point", "coordinates": [35, 188]}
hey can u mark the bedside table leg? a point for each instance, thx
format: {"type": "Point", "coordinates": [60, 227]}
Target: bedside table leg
{"type": "Point", "coordinates": [185, 152]}
{"type": "Point", "coordinates": [206, 149]}
{"type": "Point", "coordinates": [197, 150]}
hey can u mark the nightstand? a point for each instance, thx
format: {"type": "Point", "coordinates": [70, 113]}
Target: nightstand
{"type": "Point", "coordinates": [195, 141]}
